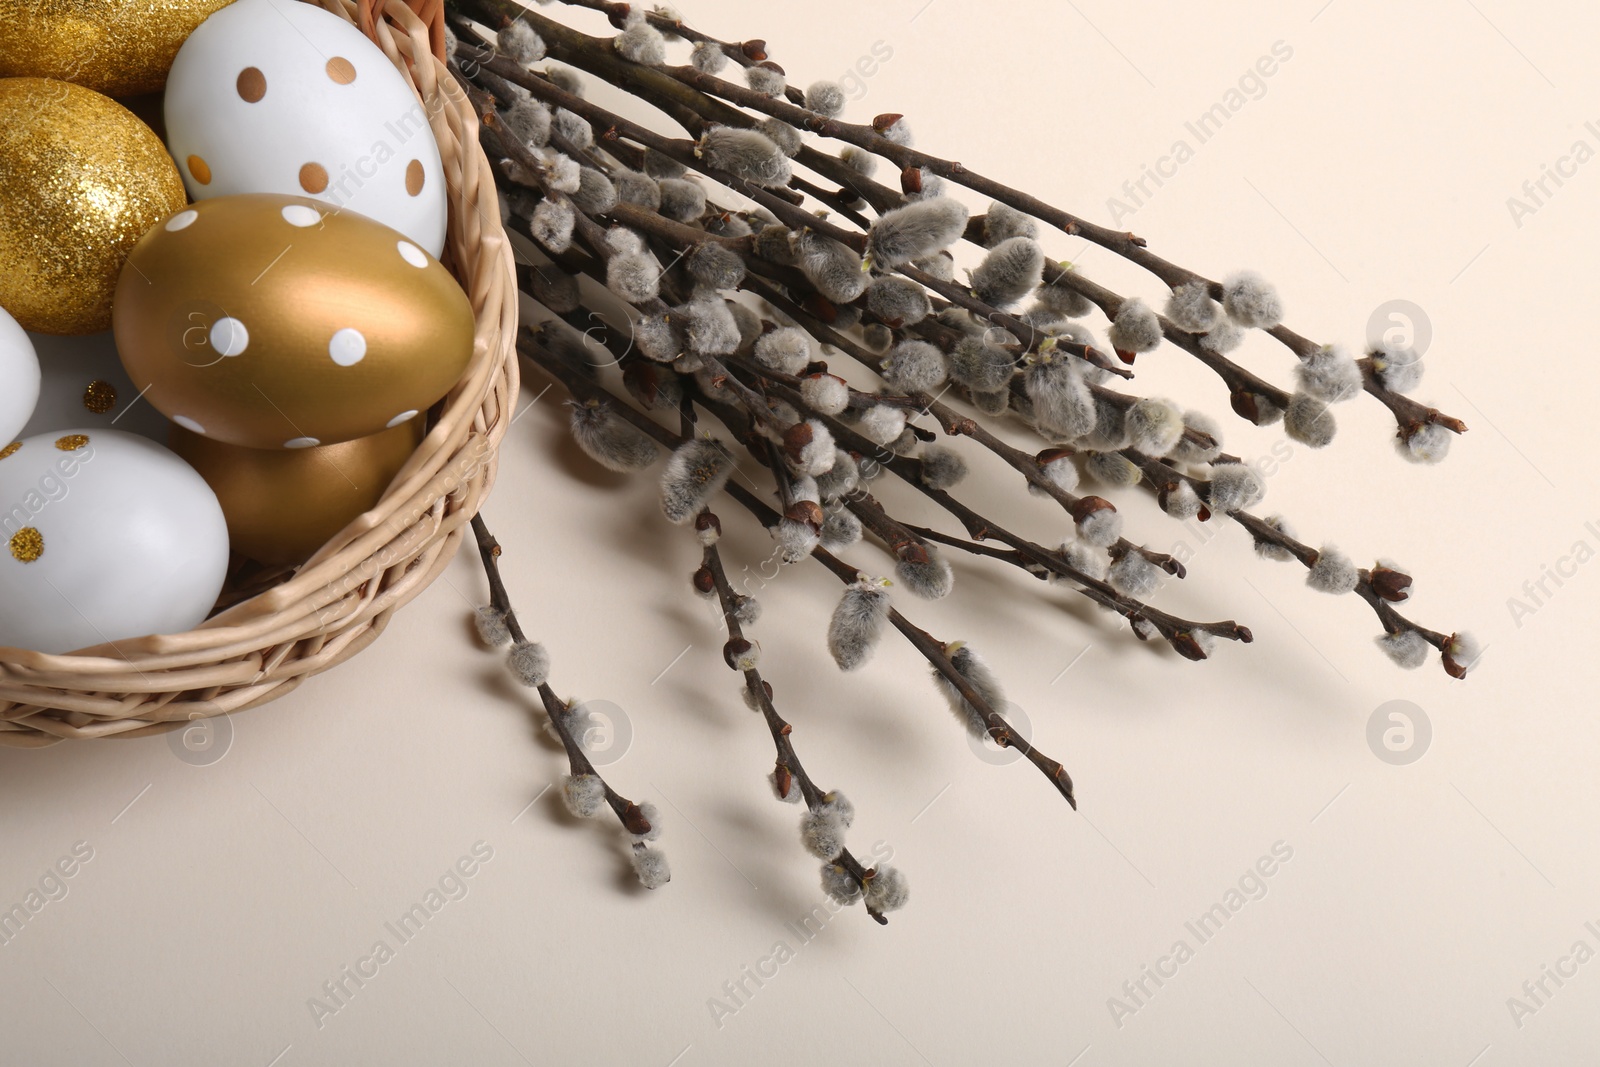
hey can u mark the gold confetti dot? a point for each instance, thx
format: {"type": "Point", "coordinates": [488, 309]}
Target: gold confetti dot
{"type": "Point", "coordinates": [200, 170]}
{"type": "Point", "coordinates": [10, 450]}
{"type": "Point", "coordinates": [27, 545]}
{"type": "Point", "coordinates": [313, 177]}
{"type": "Point", "coordinates": [72, 442]}
{"type": "Point", "coordinates": [341, 70]}
{"type": "Point", "coordinates": [414, 177]}
{"type": "Point", "coordinates": [99, 396]}
{"type": "Point", "coordinates": [252, 85]}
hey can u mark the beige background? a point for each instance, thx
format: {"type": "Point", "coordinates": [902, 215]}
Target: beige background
{"type": "Point", "coordinates": [1375, 166]}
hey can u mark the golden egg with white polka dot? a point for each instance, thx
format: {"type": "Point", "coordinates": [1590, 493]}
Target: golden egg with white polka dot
{"type": "Point", "coordinates": [279, 96]}
{"type": "Point", "coordinates": [273, 321]}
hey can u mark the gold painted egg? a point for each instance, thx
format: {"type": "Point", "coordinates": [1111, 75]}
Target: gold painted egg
{"type": "Point", "coordinates": [275, 321]}
{"type": "Point", "coordinates": [81, 179]}
{"type": "Point", "coordinates": [116, 47]}
{"type": "Point", "coordinates": [282, 506]}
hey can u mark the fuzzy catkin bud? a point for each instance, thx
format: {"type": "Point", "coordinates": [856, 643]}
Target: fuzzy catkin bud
{"type": "Point", "coordinates": [708, 58]}
{"type": "Point", "coordinates": [714, 265]}
{"type": "Point", "coordinates": [1136, 328]}
{"type": "Point", "coordinates": [786, 349]}
{"type": "Point", "coordinates": [841, 479]}
{"type": "Point", "coordinates": [1461, 654]}
{"type": "Point", "coordinates": [898, 301]}
{"type": "Point", "coordinates": [942, 468]}
{"type": "Point", "coordinates": [825, 98]}
{"type": "Point", "coordinates": [1189, 450]}
{"type": "Point", "coordinates": [915, 231]}
{"type": "Point", "coordinates": [584, 794]}
{"type": "Point", "coordinates": [766, 79]}
{"type": "Point", "coordinates": [1398, 369]}
{"type": "Point", "coordinates": [1191, 308]}
{"type": "Point", "coordinates": [696, 472]}
{"type": "Point", "coordinates": [930, 579]}
{"type": "Point", "coordinates": [834, 269]}
{"type": "Point", "coordinates": [491, 625]}
{"type": "Point", "coordinates": [529, 663]}
{"type": "Point", "coordinates": [1329, 374]}
{"type": "Point", "coordinates": [857, 622]}
{"type": "Point", "coordinates": [822, 833]}
{"type": "Point", "coordinates": [1182, 503]}
{"type": "Point", "coordinates": [1086, 559]}
{"type": "Point", "coordinates": [1222, 338]}
{"type": "Point", "coordinates": [1332, 572]}
{"type": "Point", "coordinates": [887, 890]}
{"type": "Point", "coordinates": [642, 43]}
{"type": "Point", "coordinates": [1154, 426]}
{"type": "Point", "coordinates": [650, 864]}
{"type": "Point", "coordinates": [785, 786]}
{"type": "Point", "coordinates": [839, 530]}
{"type": "Point", "coordinates": [1309, 421]}
{"type": "Point", "coordinates": [840, 885]}
{"type": "Point", "coordinates": [637, 187]}
{"type": "Point", "coordinates": [979, 678]}
{"type": "Point", "coordinates": [573, 128]}
{"type": "Point", "coordinates": [1407, 648]}
{"type": "Point", "coordinates": [709, 326]}
{"type": "Point", "coordinates": [1428, 443]}
{"type": "Point", "coordinates": [678, 199]}
{"type": "Point", "coordinates": [611, 440]}
{"type": "Point", "coordinates": [596, 195]}
{"type": "Point", "coordinates": [518, 42]}
{"type": "Point", "coordinates": [1062, 299]}
{"type": "Point", "coordinates": [1062, 403]}
{"type": "Point", "coordinates": [551, 224]}
{"type": "Point", "coordinates": [825, 394]}
{"type": "Point", "coordinates": [883, 423]}
{"type": "Point", "coordinates": [1009, 272]}
{"type": "Point", "coordinates": [746, 154]}
{"type": "Point", "coordinates": [1003, 222]}
{"type": "Point", "coordinates": [658, 337]}
{"type": "Point", "coordinates": [529, 121]}
{"type": "Point", "coordinates": [1097, 520]}
{"type": "Point", "coordinates": [1134, 576]}
{"type": "Point", "coordinates": [981, 367]}
{"type": "Point", "coordinates": [635, 277]}
{"type": "Point", "coordinates": [1251, 301]}
{"type": "Point", "coordinates": [1233, 486]}
{"type": "Point", "coordinates": [1270, 550]}
{"type": "Point", "coordinates": [1113, 469]}
{"type": "Point", "coordinates": [915, 367]}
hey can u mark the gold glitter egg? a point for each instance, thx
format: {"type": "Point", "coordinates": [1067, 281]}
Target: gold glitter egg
{"type": "Point", "coordinates": [116, 47]}
{"type": "Point", "coordinates": [274, 321]}
{"type": "Point", "coordinates": [282, 506]}
{"type": "Point", "coordinates": [83, 179]}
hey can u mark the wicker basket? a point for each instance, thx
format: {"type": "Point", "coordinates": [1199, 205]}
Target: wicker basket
{"type": "Point", "coordinates": [340, 600]}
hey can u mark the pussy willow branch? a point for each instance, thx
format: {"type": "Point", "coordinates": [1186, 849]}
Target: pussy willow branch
{"type": "Point", "coordinates": [782, 732]}
{"type": "Point", "coordinates": [582, 384]}
{"type": "Point", "coordinates": [1158, 474]}
{"type": "Point", "coordinates": [627, 812]}
{"type": "Point", "coordinates": [908, 470]}
{"type": "Point", "coordinates": [576, 48]}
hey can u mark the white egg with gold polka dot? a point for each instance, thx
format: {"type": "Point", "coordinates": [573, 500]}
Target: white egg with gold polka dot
{"type": "Point", "coordinates": [105, 538]}
{"type": "Point", "coordinates": [82, 383]}
{"type": "Point", "coordinates": [278, 322]}
{"type": "Point", "coordinates": [19, 378]}
{"type": "Point", "coordinates": [279, 96]}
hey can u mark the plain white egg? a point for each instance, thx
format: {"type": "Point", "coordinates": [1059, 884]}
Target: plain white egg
{"type": "Point", "coordinates": [82, 383]}
{"type": "Point", "coordinates": [104, 536]}
{"type": "Point", "coordinates": [19, 378]}
{"type": "Point", "coordinates": [278, 96]}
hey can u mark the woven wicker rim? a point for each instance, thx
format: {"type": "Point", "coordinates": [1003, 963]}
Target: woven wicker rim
{"type": "Point", "coordinates": [340, 600]}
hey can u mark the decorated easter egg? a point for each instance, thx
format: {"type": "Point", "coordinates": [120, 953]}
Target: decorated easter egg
{"type": "Point", "coordinates": [117, 47]}
{"type": "Point", "coordinates": [277, 322]}
{"type": "Point", "coordinates": [82, 383]}
{"type": "Point", "coordinates": [81, 179]}
{"type": "Point", "coordinates": [19, 379]}
{"type": "Point", "coordinates": [104, 536]}
{"type": "Point", "coordinates": [278, 96]}
{"type": "Point", "coordinates": [282, 505]}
